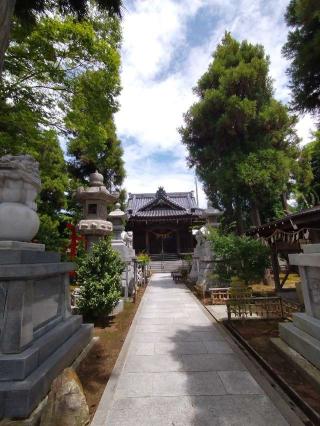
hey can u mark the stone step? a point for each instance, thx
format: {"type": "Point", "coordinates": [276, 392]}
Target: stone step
{"type": "Point", "coordinates": [302, 342]}
{"type": "Point", "coordinates": [19, 366]}
{"type": "Point", "coordinates": [166, 266]}
{"type": "Point", "coordinates": [308, 324]}
{"type": "Point", "coordinates": [19, 398]}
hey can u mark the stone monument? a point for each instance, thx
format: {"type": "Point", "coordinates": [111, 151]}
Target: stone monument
{"type": "Point", "coordinates": [122, 243]}
{"type": "Point", "coordinates": [303, 334]}
{"type": "Point", "coordinates": [38, 335]}
{"type": "Point", "coordinates": [202, 259]}
{"type": "Point", "coordinates": [94, 200]}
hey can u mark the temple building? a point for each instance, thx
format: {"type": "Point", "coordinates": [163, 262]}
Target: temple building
{"type": "Point", "coordinates": [162, 222]}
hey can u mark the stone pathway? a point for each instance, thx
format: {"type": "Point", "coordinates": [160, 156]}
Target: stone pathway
{"type": "Point", "coordinates": [179, 370]}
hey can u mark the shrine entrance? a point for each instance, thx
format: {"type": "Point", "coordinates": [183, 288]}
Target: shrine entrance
{"type": "Point", "coordinates": [162, 241]}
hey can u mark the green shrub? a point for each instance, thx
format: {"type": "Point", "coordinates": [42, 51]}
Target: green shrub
{"type": "Point", "coordinates": [143, 258]}
{"type": "Point", "coordinates": [238, 256]}
{"type": "Point", "coordinates": [99, 278]}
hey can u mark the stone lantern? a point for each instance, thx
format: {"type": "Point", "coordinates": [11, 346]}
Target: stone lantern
{"type": "Point", "coordinates": [212, 215]}
{"type": "Point", "coordinates": [94, 200]}
{"type": "Point", "coordinates": [39, 336]}
{"type": "Point", "coordinates": [19, 186]}
{"type": "Point", "coordinates": [121, 243]}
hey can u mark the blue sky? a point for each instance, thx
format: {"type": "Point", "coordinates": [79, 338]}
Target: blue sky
{"type": "Point", "coordinates": [167, 46]}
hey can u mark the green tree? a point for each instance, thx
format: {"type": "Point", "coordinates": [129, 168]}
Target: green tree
{"type": "Point", "coordinates": [28, 11]}
{"type": "Point", "coordinates": [307, 188]}
{"type": "Point", "coordinates": [51, 73]}
{"type": "Point", "coordinates": [241, 141]}
{"type": "Point", "coordinates": [238, 256]}
{"type": "Point", "coordinates": [99, 279]}
{"type": "Point", "coordinates": [302, 48]}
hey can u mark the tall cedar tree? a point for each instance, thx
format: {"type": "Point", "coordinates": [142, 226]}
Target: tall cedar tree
{"type": "Point", "coordinates": [303, 49]}
{"type": "Point", "coordinates": [28, 11]}
{"type": "Point", "coordinates": [52, 72]}
{"type": "Point", "coordinates": [307, 191]}
{"type": "Point", "coordinates": [241, 141]}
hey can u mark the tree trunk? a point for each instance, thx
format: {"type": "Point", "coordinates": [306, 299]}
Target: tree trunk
{"type": "Point", "coordinates": [255, 215]}
{"type": "Point", "coordinates": [239, 219]}
{"type": "Point", "coordinates": [6, 13]}
{"type": "Point", "coordinates": [284, 202]}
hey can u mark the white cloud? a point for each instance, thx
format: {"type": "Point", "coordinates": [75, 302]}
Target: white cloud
{"type": "Point", "coordinates": [159, 69]}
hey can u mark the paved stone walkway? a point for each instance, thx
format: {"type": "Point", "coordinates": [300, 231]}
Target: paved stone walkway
{"type": "Point", "coordinates": [179, 370]}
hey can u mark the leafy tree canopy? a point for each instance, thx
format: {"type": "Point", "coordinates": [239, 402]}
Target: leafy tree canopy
{"type": "Point", "coordinates": [61, 80]}
{"type": "Point", "coordinates": [302, 48]}
{"type": "Point", "coordinates": [241, 140]}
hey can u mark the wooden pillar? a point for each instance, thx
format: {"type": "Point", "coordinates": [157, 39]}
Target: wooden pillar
{"type": "Point", "coordinates": [147, 242]}
{"type": "Point", "coordinates": [275, 268]}
{"type": "Point", "coordinates": [178, 241]}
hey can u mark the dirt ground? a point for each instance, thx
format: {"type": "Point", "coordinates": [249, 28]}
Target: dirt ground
{"type": "Point", "coordinates": [94, 371]}
{"type": "Point", "coordinates": [257, 333]}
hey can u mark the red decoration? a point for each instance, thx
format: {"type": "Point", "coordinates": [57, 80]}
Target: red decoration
{"type": "Point", "coordinates": [73, 246]}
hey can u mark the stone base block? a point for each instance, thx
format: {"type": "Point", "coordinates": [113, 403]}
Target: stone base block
{"type": "Point", "coordinates": [19, 398]}
{"type": "Point", "coordinates": [19, 366]}
{"type": "Point", "coordinates": [23, 257]}
{"type": "Point", "coordinates": [308, 324]}
{"type": "Point", "coordinates": [299, 340]}
{"type": "Point", "coordinates": [20, 245]}
{"type": "Point", "coordinates": [304, 366]}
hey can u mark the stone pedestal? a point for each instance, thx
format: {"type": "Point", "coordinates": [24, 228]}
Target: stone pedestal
{"type": "Point", "coordinates": [202, 259]}
{"type": "Point", "coordinates": [303, 334]}
{"type": "Point", "coordinates": [38, 335]}
{"type": "Point", "coordinates": [206, 267]}
{"type": "Point", "coordinates": [122, 243]}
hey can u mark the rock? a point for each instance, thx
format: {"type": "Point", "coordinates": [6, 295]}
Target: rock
{"type": "Point", "coordinates": [67, 405]}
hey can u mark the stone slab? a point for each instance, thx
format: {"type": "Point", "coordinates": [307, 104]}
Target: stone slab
{"type": "Point", "coordinates": [216, 347]}
{"type": "Point", "coordinates": [302, 259]}
{"type": "Point", "coordinates": [307, 323]}
{"type": "Point", "coordinates": [20, 245]}
{"type": "Point", "coordinates": [134, 385]}
{"type": "Point", "coordinates": [21, 397]}
{"type": "Point", "coordinates": [16, 272]}
{"type": "Point", "coordinates": [211, 362]}
{"type": "Point", "coordinates": [239, 383]}
{"type": "Point", "coordinates": [142, 348]}
{"type": "Point", "coordinates": [195, 383]}
{"type": "Point", "coordinates": [310, 248]}
{"type": "Point", "coordinates": [306, 345]}
{"type": "Point", "coordinates": [303, 365]}
{"type": "Point", "coordinates": [180, 348]}
{"type": "Point", "coordinates": [11, 257]}
{"type": "Point", "coordinates": [253, 410]}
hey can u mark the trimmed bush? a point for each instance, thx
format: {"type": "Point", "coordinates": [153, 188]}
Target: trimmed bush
{"type": "Point", "coordinates": [99, 279]}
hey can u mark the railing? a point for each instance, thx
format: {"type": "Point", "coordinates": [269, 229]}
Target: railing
{"type": "Point", "coordinates": [244, 305]}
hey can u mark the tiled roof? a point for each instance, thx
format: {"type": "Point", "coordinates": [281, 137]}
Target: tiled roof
{"type": "Point", "coordinates": [171, 204]}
